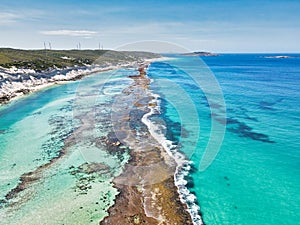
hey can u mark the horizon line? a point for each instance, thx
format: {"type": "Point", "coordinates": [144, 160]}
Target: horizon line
{"type": "Point", "coordinates": [110, 49]}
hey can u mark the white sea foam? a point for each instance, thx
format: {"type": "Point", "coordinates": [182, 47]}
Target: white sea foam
{"type": "Point", "coordinates": [183, 165]}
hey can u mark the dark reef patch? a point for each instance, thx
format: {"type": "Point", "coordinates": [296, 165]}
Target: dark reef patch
{"type": "Point", "coordinates": [136, 116]}
{"type": "Point", "coordinates": [112, 144]}
{"type": "Point", "coordinates": [36, 113]}
{"type": "Point", "coordinates": [174, 130]}
{"type": "Point", "coordinates": [242, 112]}
{"type": "Point", "coordinates": [191, 86]}
{"type": "Point", "coordinates": [3, 202]}
{"type": "Point", "coordinates": [269, 105]}
{"type": "Point", "coordinates": [190, 182]}
{"type": "Point", "coordinates": [243, 130]}
{"type": "Point", "coordinates": [88, 173]}
{"type": "Point", "coordinates": [193, 169]}
{"type": "Point", "coordinates": [61, 129]}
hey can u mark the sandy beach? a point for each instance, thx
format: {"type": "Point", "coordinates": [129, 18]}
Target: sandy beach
{"type": "Point", "coordinates": [12, 90]}
{"type": "Point", "coordinates": [15, 89]}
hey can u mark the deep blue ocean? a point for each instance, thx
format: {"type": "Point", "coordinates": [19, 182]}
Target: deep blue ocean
{"type": "Point", "coordinates": [255, 177]}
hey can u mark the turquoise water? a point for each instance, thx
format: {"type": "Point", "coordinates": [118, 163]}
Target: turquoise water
{"type": "Point", "coordinates": [66, 121]}
{"type": "Point", "coordinates": [255, 178]}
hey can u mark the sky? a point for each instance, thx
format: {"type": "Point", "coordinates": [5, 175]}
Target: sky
{"type": "Point", "coordinates": [195, 25]}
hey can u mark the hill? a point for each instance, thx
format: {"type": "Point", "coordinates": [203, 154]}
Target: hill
{"type": "Point", "coordinates": [40, 60]}
{"type": "Point", "coordinates": [200, 54]}
{"type": "Point", "coordinates": [25, 71]}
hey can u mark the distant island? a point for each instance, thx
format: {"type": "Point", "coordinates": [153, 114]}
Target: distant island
{"type": "Point", "coordinates": [200, 54]}
{"type": "Point", "coordinates": [24, 71]}
{"type": "Point", "coordinates": [279, 57]}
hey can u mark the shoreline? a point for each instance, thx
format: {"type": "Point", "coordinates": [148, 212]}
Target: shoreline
{"type": "Point", "coordinates": [182, 169]}
{"type": "Point", "coordinates": [141, 198]}
{"type": "Point", "coordinates": [15, 90]}
{"type": "Point", "coordinates": [147, 185]}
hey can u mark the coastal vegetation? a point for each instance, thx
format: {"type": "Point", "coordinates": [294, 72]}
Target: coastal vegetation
{"type": "Point", "coordinates": [40, 60]}
{"type": "Point", "coordinates": [24, 71]}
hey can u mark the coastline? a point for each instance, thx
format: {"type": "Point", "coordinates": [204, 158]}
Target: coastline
{"type": "Point", "coordinates": [212, 198]}
{"type": "Point", "coordinates": [149, 191]}
{"type": "Point", "coordinates": [12, 90]}
{"type": "Point", "coordinates": [183, 165]}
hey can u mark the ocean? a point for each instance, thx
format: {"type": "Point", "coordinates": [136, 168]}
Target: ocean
{"type": "Point", "coordinates": [234, 117]}
{"type": "Point", "coordinates": [54, 165]}
{"type": "Point", "coordinates": [255, 177]}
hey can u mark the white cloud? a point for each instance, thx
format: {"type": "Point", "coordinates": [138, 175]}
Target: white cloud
{"type": "Point", "coordinates": [7, 18]}
{"type": "Point", "coordinates": [73, 33]}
